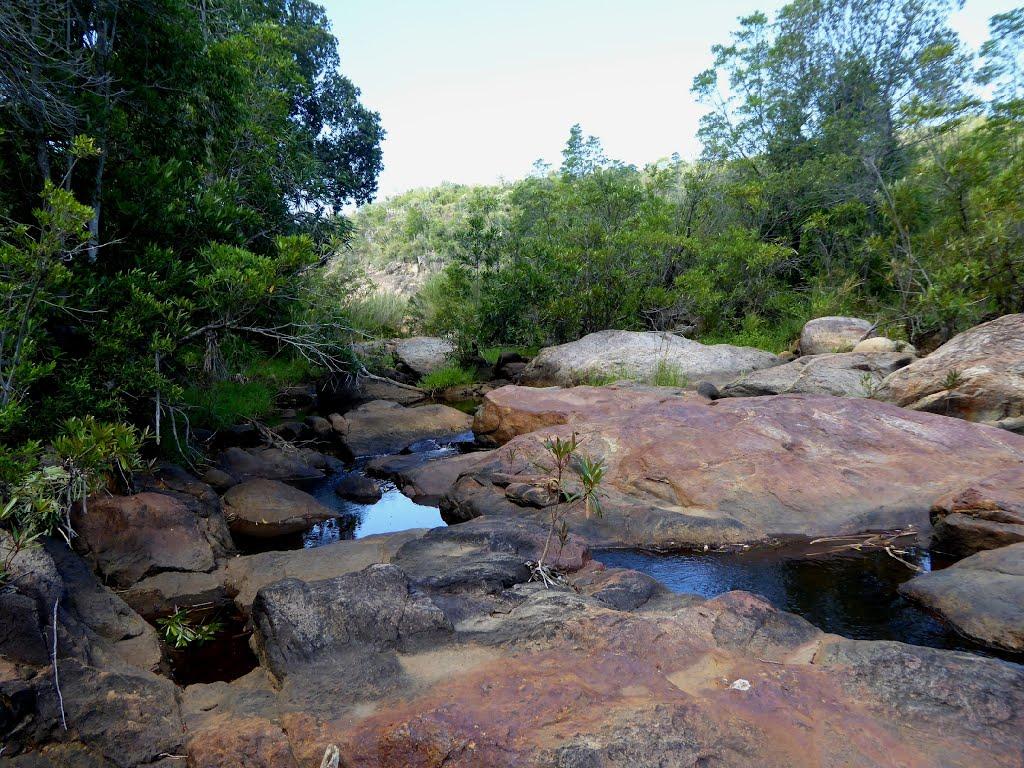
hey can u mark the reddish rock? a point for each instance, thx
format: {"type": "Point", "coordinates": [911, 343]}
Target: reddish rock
{"type": "Point", "coordinates": [268, 508]}
{"type": "Point", "coordinates": [985, 515]}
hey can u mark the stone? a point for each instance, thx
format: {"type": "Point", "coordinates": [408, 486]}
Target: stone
{"type": "Point", "coordinates": [639, 356]}
{"type": "Point", "coordinates": [681, 472]}
{"type": "Point", "coordinates": [985, 515]}
{"type": "Point", "coordinates": [165, 593]}
{"type": "Point", "coordinates": [977, 375]}
{"type": "Point", "coordinates": [423, 478]}
{"type": "Point", "coordinates": [266, 463]}
{"type": "Point", "coordinates": [293, 620]}
{"type": "Point", "coordinates": [511, 410]}
{"type": "Point", "coordinates": [321, 427]}
{"type": "Point", "coordinates": [982, 596]}
{"type": "Point", "coordinates": [382, 427]}
{"type": "Point", "coordinates": [848, 374]}
{"type": "Point", "coordinates": [877, 344]}
{"type": "Point", "coordinates": [127, 538]}
{"type": "Point", "coordinates": [268, 508]}
{"type": "Point", "coordinates": [218, 479]}
{"type": "Point", "coordinates": [301, 396]}
{"type": "Point", "coordinates": [359, 488]}
{"type": "Point", "coordinates": [424, 354]}
{"type": "Point", "coordinates": [833, 334]}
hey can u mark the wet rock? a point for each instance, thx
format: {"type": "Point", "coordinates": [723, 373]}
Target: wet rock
{"type": "Point", "coordinates": [296, 620]}
{"type": "Point", "coordinates": [424, 479]}
{"type": "Point", "coordinates": [266, 463]}
{"type": "Point", "coordinates": [127, 538]}
{"type": "Point", "coordinates": [639, 355]}
{"type": "Point", "coordinates": [985, 515]}
{"type": "Point", "coordinates": [850, 374]}
{"type": "Point", "coordinates": [977, 375]}
{"type": "Point", "coordinates": [359, 488]}
{"type": "Point", "coordinates": [511, 410]}
{"type": "Point", "coordinates": [382, 427]}
{"type": "Point", "coordinates": [982, 596]}
{"type": "Point", "coordinates": [424, 354]}
{"type": "Point", "coordinates": [833, 334]}
{"type": "Point", "coordinates": [268, 508]}
{"type": "Point", "coordinates": [739, 470]}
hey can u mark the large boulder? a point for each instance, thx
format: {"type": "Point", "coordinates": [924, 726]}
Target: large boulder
{"type": "Point", "coordinates": [423, 478]}
{"type": "Point", "coordinates": [268, 508]}
{"type": "Point", "coordinates": [641, 356]}
{"type": "Point", "coordinates": [382, 426]}
{"type": "Point", "coordinates": [127, 538]}
{"type": "Point", "coordinates": [681, 473]}
{"type": "Point", "coordinates": [985, 515]}
{"type": "Point", "coordinates": [510, 411]}
{"type": "Point", "coordinates": [849, 374]}
{"type": "Point", "coordinates": [267, 463]}
{"type": "Point", "coordinates": [424, 354]}
{"type": "Point", "coordinates": [982, 596]}
{"type": "Point", "coordinates": [977, 375]}
{"type": "Point", "coordinates": [833, 334]}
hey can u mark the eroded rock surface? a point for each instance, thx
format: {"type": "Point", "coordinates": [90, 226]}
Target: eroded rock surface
{"type": "Point", "coordinates": [639, 356]}
{"type": "Point", "coordinates": [741, 469]}
{"type": "Point", "coordinates": [985, 515]}
{"type": "Point", "coordinates": [849, 374]}
{"type": "Point", "coordinates": [976, 375]}
{"type": "Point", "coordinates": [982, 596]}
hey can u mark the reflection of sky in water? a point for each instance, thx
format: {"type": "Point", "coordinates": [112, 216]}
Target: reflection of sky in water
{"type": "Point", "coordinates": [394, 512]}
{"type": "Point", "coordinates": [854, 595]}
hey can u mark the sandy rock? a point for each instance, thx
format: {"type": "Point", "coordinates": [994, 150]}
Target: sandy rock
{"type": "Point", "coordinates": [977, 375]}
{"type": "Point", "coordinates": [982, 596]}
{"type": "Point", "coordinates": [638, 355]}
{"type": "Point", "coordinates": [268, 508]}
{"type": "Point", "coordinates": [833, 334]}
{"type": "Point", "coordinates": [849, 374]}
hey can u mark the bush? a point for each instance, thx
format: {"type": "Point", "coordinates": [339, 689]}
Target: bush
{"type": "Point", "coordinates": [220, 404]}
{"type": "Point", "coordinates": [452, 375]}
{"type": "Point", "coordinates": [378, 314]}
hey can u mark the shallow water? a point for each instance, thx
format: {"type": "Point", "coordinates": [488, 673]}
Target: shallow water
{"type": "Point", "coordinates": [394, 512]}
{"type": "Point", "coordinates": [850, 594]}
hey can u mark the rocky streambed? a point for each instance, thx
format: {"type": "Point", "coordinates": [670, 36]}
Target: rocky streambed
{"type": "Point", "coordinates": [784, 580]}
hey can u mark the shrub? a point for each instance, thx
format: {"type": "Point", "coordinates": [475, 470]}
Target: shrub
{"type": "Point", "coordinates": [452, 375]}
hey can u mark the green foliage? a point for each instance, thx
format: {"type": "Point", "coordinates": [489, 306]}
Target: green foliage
{"type": "Point", "coordinates": [378, 314]}
{"type": "Point", "coordinates": [452, 375]}
{"type": "Point", "coordinates": [179, 631]}
{"type": "Point", "coordinates": [223, 403]}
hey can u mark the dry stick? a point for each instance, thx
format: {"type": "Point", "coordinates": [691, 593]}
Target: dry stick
{"type": "Point", "coordinates": [53, 658]}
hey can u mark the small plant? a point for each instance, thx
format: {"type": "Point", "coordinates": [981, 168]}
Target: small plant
{"type": "Point", "coordinates": [953, 379]}
{"type": "Point", "coordinates": [870, 385]}
{"type": "Point", "coordinates": [451, 375]}
{"type": "Point", "coordinates": [179, 631]}
{"type": "Point", "coordinates": [589, 472]}
{"type": "Point", "coordinates": [668, 375]}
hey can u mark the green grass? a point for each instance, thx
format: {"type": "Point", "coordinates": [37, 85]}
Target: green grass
{"type": "Point", "coordinates": [379, 314]}
{"type": "Point", "coordinates": [491, 354]}
{"type": "Point", "coordinates": [451, 375]}
{"type": "Point", "coordinates": [665, 375]}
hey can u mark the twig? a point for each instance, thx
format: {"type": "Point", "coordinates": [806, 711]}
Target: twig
{"type": "Point", "coordinates": [56, 676]}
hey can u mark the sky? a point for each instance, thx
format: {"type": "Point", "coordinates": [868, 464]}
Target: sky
{"type": "Point", "coordinates": [474, 91]}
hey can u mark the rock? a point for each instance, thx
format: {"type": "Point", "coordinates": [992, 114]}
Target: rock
{"type": "Point", "coordinates": [321, 427]}
{"type": "Point", "coordinates": [880, 344]}
{"type": "Point", "coordinates": [849, 374]}
{"type": "Point", "coordinates": [424, 479]}
{"type": "Point", "coordinates": [833, 334]}
{"type": "Point", "coordinates": [681, 472]}
{"type": "Point", "coordinates": [359, 488]}
{"type": "Point", "coordinates": [218, 479]}
{"type": "Point", "coordinates": [351, 391]}
{"type": "Point", "coordinates": [268, 508]}
{"type": "Point", "coordinates": [638, 356]}
{"type": "Point", "coordinates": [163, 594]}
{"type": "Point", "coordinates": [424, 354]}
{"type": "Point", "coordinates": [977, 375]}
{"type": "Point", "coordinates": [301, 396]}
{"type": "Point", "coordinates": [291, 430]}
{"type": "Point", "coordinates": [982, 596]}
{"type": "Point", "coordinates": [382, 427]}
{"type": "Point", "coordinates": [512, 410]}
{"type": "Point", "coordinates": [294, 620]}
{"type": "Point", "coordinates": [127, 538]}
{"type": "Point", "coordinates": [708, 390]}
{"type": "Point", "coordinates": [267, 464]}
{"type": "Point", "coordinates": [245, 576]}
{"type": "Point", "coordinates": [338, 423]}
{"type": "Point", "coordinates": [985, 515]}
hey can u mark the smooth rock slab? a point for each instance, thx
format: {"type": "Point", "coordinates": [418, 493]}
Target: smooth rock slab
{"type": "Point", "coordinates": [987, 365]}
{"type": "Point", "coordinates": [638, 355]}
{"type": "Point", "coordinates": [268, 508]}
{"type": "Point", "coordinates": [848, 374]}
{"type": "Point", "coordinates": [743, 469]}
{"type": "Point", "coordinates": [982, 596]}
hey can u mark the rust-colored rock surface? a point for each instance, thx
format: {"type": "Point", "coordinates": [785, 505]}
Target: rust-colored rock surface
{"type": "Point", "coordinates": [977, 375]}
{"type": "Point", "coordinates": [682, 473]}
{"type": "Point", "coordinates": [985, 515]}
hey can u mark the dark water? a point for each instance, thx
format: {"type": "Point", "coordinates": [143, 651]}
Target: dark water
{"type": "Point", "coordinates": [850, 594]}
{"type": "Point", "coordinates": [225, 658]}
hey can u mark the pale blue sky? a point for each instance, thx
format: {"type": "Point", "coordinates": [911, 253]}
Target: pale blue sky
{"type": "Point", "coordinates": [471, 91]}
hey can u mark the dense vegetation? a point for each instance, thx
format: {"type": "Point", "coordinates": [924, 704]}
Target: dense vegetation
{"type": "Point", "coordinates": [169, 177]}
{"type": "Point", "coordinates": [857, 160]}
